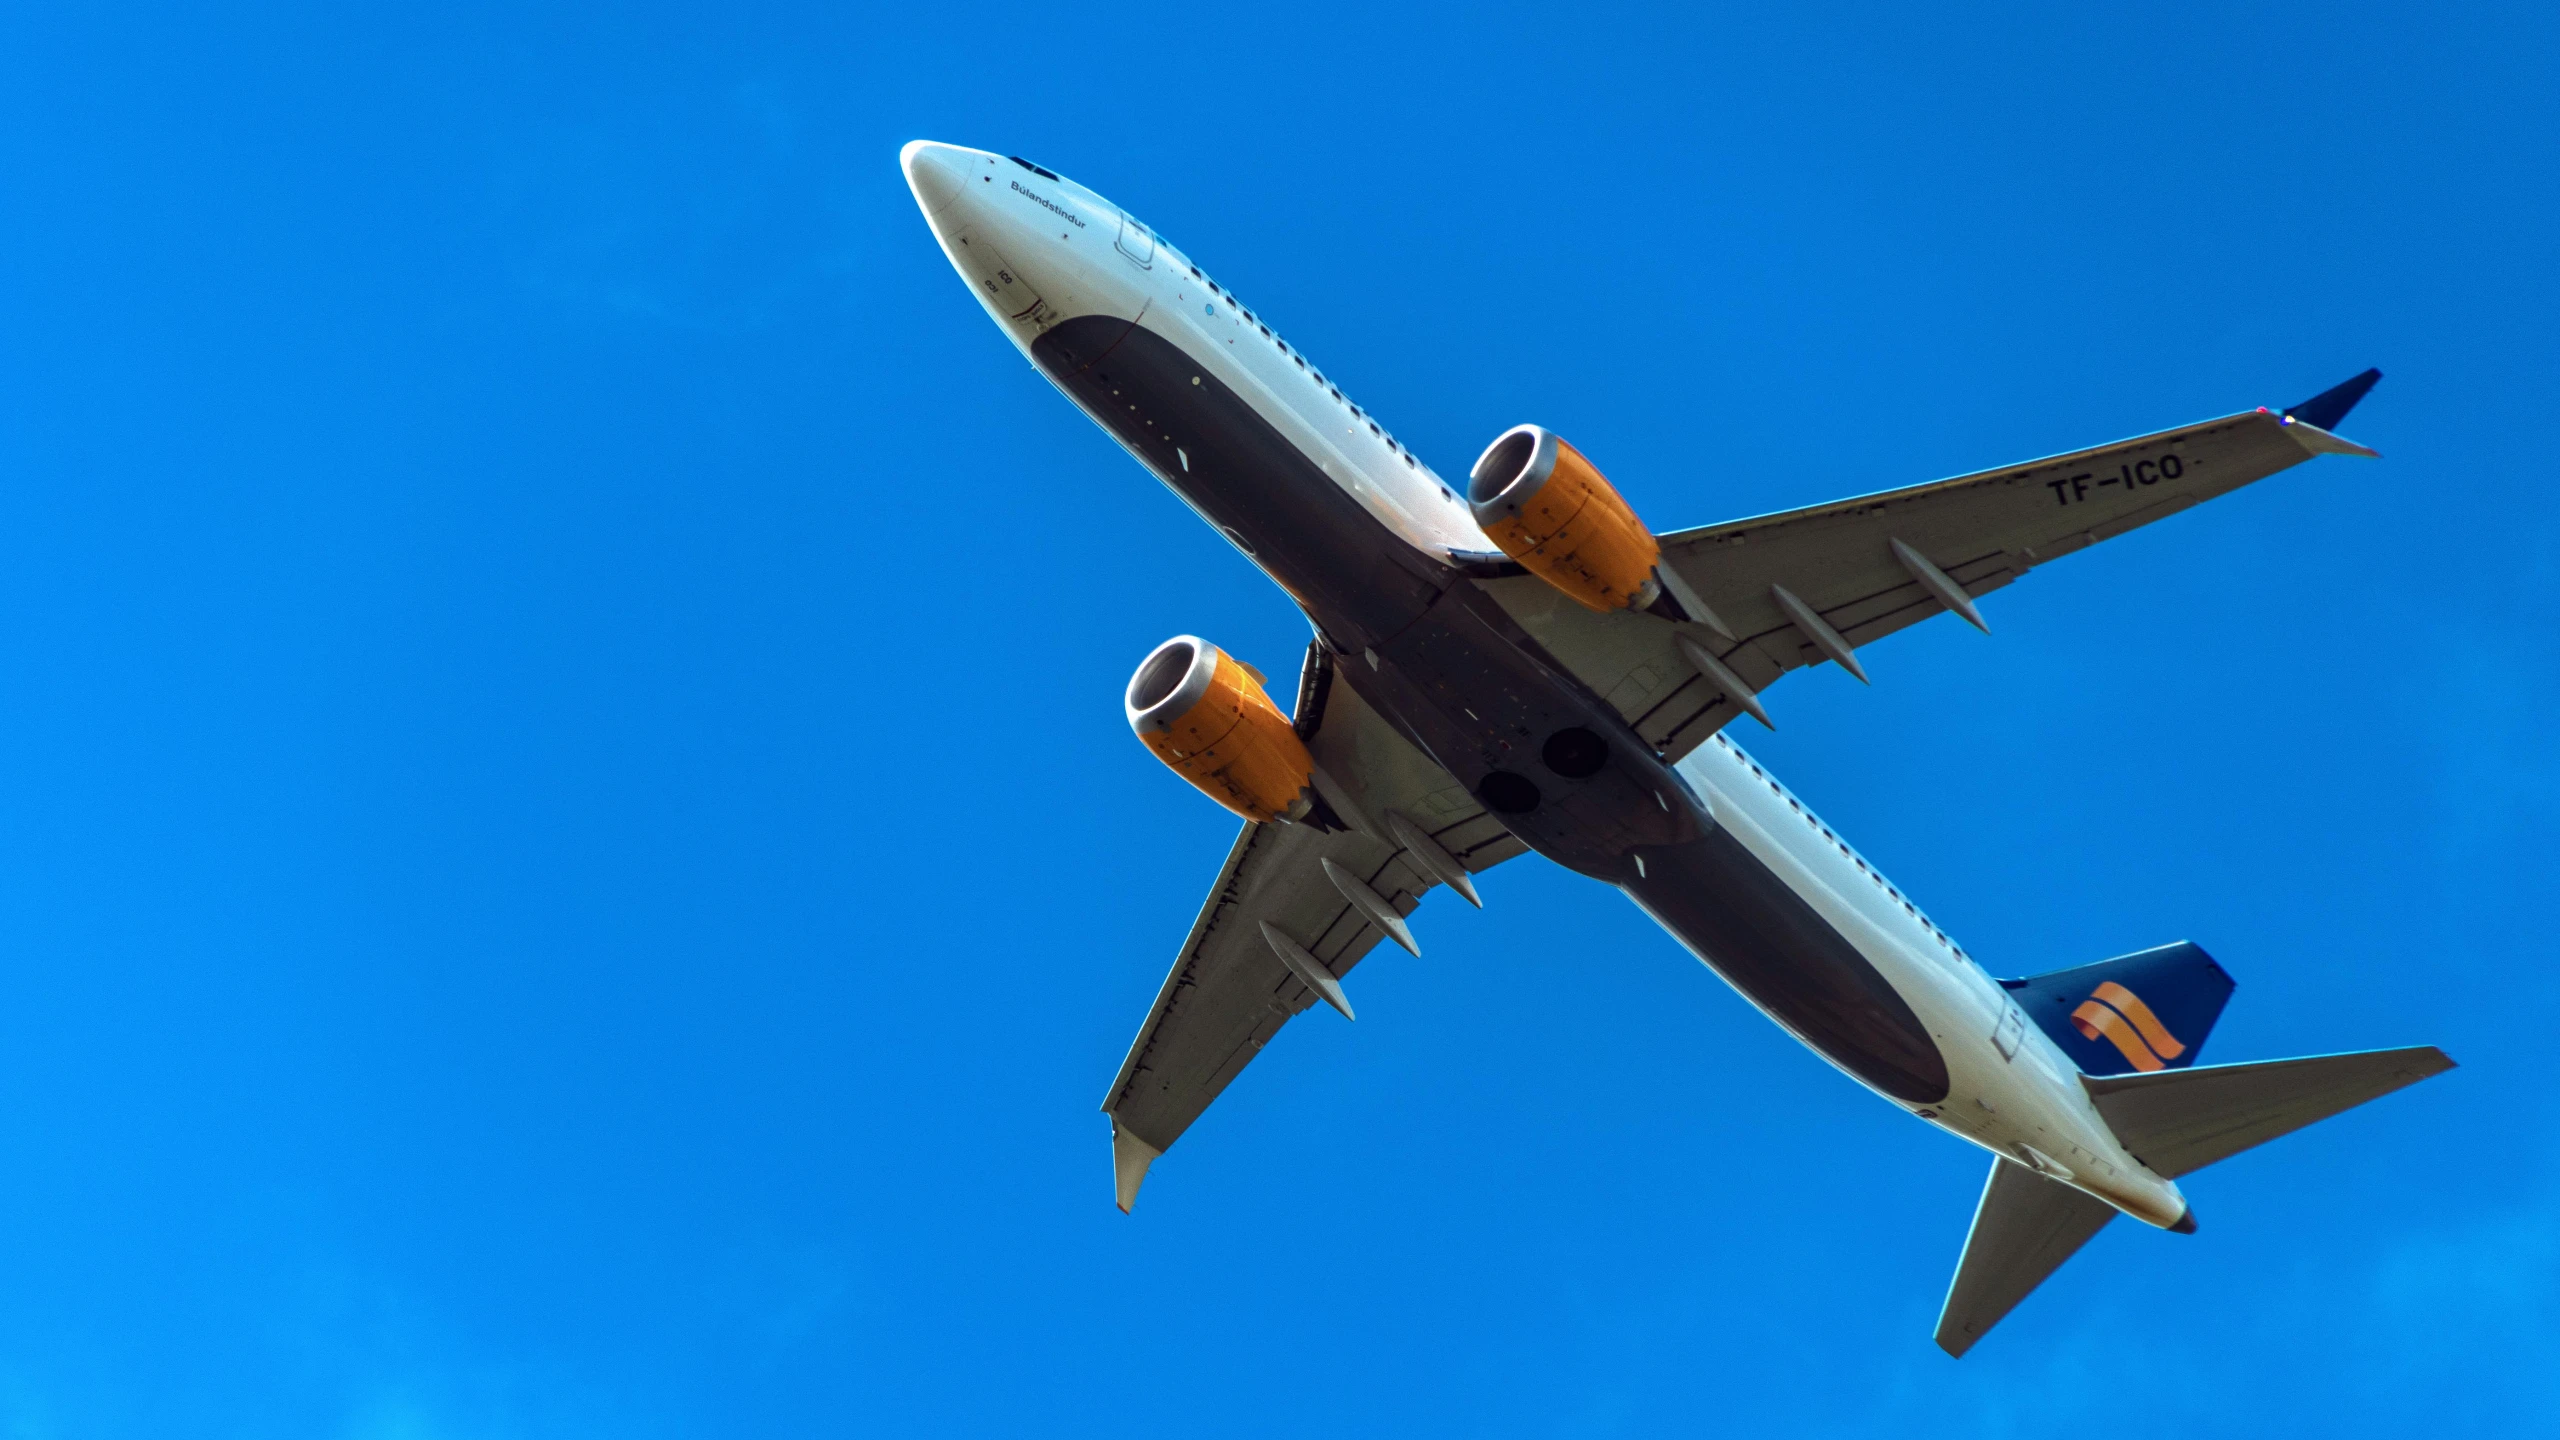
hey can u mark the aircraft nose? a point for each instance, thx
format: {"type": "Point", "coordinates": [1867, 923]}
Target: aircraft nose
{"type": "Point", "coordinates": [937, 173]}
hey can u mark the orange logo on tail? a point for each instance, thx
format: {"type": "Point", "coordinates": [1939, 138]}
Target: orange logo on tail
{"type": "Point", "coordinates": [2119, 1014]}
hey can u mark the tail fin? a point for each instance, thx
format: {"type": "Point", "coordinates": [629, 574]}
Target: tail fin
{"type": "Point", "coordinates": [2330, 406]}
{"type": "Point", "coordinates": [2175, 1121]}
{"type": "Point", "coordinates": [2146, 1011]}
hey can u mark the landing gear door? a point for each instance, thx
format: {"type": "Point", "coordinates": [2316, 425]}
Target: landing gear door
{"type": "Point", "coordinates": [1138, 243]}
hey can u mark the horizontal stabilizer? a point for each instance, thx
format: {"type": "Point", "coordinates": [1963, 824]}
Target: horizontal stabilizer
{"type": "Point", "coordinates": [2026, 1227]}
{"type": "Point", "coordinates": [2177, 1121]}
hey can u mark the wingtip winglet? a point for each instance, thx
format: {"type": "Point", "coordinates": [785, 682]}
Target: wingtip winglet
{"type": "Point", "coordinates": [2313, 422]}
{"type": "Point", "coordinates": [1130, 1157]}
{"type": "Point", "coordinates": [2330, 406]}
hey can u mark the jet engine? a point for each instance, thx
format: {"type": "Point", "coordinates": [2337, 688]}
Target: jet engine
{"type": "Point", "coordinates": [1205, 714]}
{"type": "Point", "coordinates": [1549, 509]}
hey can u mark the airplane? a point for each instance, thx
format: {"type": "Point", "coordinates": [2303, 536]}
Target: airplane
{"type": "Point", "coordinates": [1520, 664]}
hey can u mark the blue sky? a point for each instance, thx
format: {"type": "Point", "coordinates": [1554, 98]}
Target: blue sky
{"type": "Point", "coordinates": [570, 866]}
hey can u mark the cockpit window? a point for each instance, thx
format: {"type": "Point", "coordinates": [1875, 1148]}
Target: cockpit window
{"type": "Point", "coordinates": [1034, 169]}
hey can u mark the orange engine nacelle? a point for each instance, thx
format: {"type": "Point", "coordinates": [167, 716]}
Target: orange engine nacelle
{"type": "Point", "coordinates": [1203, 713]}
{"type": "Point", "coordinates": [1548, 508]}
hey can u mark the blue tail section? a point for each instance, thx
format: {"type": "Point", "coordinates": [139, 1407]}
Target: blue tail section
{"type": "Point", "coordinates": [2146, 1011]}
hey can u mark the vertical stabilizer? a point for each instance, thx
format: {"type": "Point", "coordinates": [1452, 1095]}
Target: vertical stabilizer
{"type": "Point", "coordinates": [2024, 1229]}
{"type": "Point", "coordinates": [2146, 1011]}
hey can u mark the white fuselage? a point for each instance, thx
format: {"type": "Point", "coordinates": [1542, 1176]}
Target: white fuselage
{"type": "Point", "coordinates": [1038, 250]}
{"type": "Point", "coordinates": [2012, 1090]}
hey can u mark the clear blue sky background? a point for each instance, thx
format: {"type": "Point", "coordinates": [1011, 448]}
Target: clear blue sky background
{"type": "Point", "coordinates": [570, 864]}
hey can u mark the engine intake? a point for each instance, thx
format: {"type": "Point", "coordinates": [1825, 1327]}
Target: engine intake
{"type": "Point", "coordinates": [1205, 715]}
{"type": "Point", "coordinates": [1548, 508]}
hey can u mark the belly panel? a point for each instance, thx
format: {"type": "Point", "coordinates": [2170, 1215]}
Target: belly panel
{"type": "Point", "coordinates": [1773, 946]}
{"type": "Point", "coordinates": [1360, 580]}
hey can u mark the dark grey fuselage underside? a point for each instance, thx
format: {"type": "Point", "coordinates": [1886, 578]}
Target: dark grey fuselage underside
{"type": "Point", "coordinates": [1483, 699]}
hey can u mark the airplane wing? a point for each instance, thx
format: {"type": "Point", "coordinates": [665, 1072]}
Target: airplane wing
{"type": "Point", "coordinates": [1794, 589]}
{"type": "Point", "coordinates": [1231, 989]}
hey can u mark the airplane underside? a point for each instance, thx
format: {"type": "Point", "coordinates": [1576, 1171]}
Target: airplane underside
{"type": "Point", "coordinates": [1620, 815]}
{"type": "Point", "coordinates": [1521, 664]}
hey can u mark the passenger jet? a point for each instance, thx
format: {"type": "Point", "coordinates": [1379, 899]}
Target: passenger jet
{"type": "Point", "coordinates": [1522, 664]}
